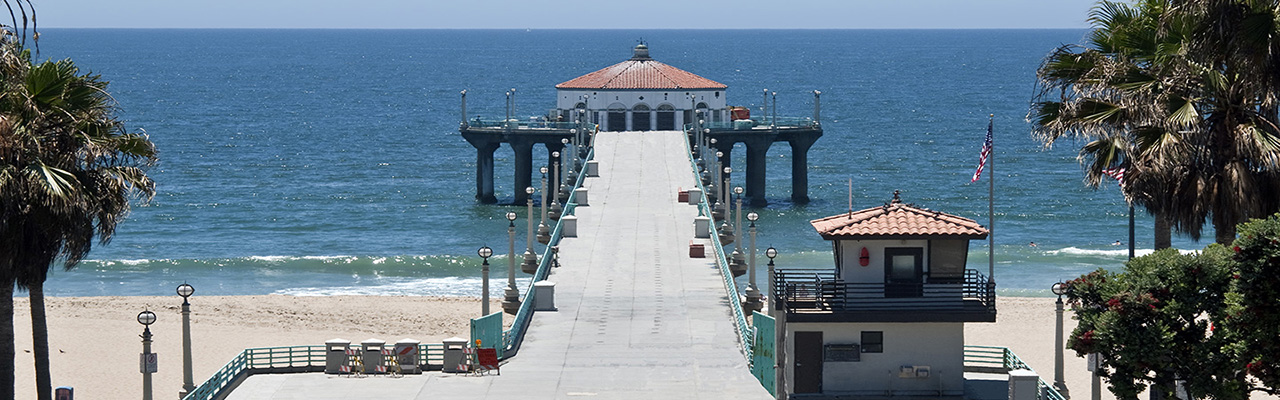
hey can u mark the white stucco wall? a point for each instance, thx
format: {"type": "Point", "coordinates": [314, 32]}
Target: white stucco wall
{"type": "Point", "coordinates": [850, 250]}
{"type": "Point", "coordinates": [940, 346]}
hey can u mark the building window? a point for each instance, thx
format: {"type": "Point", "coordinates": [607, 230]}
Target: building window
{"type": "Point", "coordinates": [872, 341]}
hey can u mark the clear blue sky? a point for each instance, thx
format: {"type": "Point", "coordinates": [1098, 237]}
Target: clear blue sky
{"type": "Point", "coordinates": [541, 14]}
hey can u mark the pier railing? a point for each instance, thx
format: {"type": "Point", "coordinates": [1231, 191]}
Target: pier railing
{"type": "Point", "coordinates": [512, 337]}
{"type": "Point", "coordinates": [746, 335]}
{"type": "Point", "coordinates": [758, 123]}
{"type": "Point", "coordinates": [992, 359]}
{"type": "Point", "coordinates": [283, 360]}
{"type": "Point", "coordinates": [517, 124]}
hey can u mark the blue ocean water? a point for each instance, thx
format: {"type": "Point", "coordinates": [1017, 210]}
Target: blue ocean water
{"type": "Point", "coordinates": [328, 161]}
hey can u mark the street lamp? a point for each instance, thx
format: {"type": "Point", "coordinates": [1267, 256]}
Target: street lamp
{"type": "Point", "coordinates": [562, 193]}
{"type": "Point", "coordinates": [544, 232]}
{"type": "Point", "coordinates": [737, 228]}
{"type": "Point", "coordinates": [511, 296]}
{"type": "Point", "coordinates": [188, 383]}
{"type": "Point", "coordinates": [726, 230]}
{"type": "Point", "coordinates": [530, 264]}
{"type": "Point", "coordinates": [753, 293]}
{"type": "Point", "coordinates": [779, 329]}
{"type": "Point", "coordinates": [572, 174]}
{"type": "Point", "coordinates": [485, 252]}
{"type": "Point", "coordinates": [146, 318]}
{"type": "Point", "coordinates": [1059, 289]}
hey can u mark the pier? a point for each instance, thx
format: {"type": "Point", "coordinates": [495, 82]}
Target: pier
{"type": "Point", "coordinates": [756, 134]}
{"type": "Point", "coordinates": [635, 318]}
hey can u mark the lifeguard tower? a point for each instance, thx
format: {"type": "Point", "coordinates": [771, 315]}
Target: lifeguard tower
{"type": "Point", "coordinates": [888, 319]}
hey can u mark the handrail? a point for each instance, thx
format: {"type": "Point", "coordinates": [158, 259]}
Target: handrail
{"type": "Point", "coordinates": [1002, 358]}
{"type": "Point", "coordinates": [744, 331]}
{"type": "Point", "coordinates": [259, 360]}
{"type": "Point", "coordinates": [821, 289]}
{"type": "Point", "coordinates": [512, 337]}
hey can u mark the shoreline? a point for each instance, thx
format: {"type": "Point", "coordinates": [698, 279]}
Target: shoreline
{"type": "Point", "coordinates": [94, 341]}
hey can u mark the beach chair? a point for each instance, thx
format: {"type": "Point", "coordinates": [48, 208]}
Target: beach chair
{"type": "Point", "coordinates": [355, 366]}
{"type": "Point", "coordinates": [487, 360]}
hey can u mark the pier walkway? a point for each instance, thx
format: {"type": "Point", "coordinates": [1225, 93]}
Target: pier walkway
{"type": "Point", "coordinates": [637, 318]}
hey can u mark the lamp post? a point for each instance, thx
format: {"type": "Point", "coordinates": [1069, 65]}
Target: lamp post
{"type": "Point", "coordinates": [511, 296]}
{"type": "Point", "coordinates": [779, 330]}
{"type": "Point", "coordinates": [530, 264]}
{"type": "Point", "coordinates": [753, 293]}
{"type": "Point", "coordinates": [737, 228]}
{"type": "Point", "coordinates": [726, 230]}
{"type": "Point", "coordinates": [1059, 289]}
{"type": "Point", "coordinates": [188, 383]}
{"type": "Point", "coordinates": [485, 252]}
{"type": "Point", "coordinates": [544, 232]}
{"type": "Point", "coordinates": [148, 361]}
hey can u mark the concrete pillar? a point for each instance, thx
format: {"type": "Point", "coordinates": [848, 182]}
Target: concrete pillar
{"type": "Point", "coordinates": [484, 173]}
{"type": "Point", "coordinates": [630, 115]}
{"type": "Point", "coordinates": [653, 120]}
{"type": "Point", "coordinates": [524, 169]}
{"type": "Point", "coordinates": [756, 158]}
{"type": "Point", "coordinates": [800, 169]}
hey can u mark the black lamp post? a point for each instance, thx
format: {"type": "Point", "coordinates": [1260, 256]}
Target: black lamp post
{"type": "Point", "coordinates": [1059, 383]}
{"type": "Point", "coordinates": [185, 290]}
{"type": "Point", "coordinates": [484, 253]}
{"type": "Point", "coordinates": [146, 318]}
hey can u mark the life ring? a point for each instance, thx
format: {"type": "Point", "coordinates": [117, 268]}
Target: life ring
{"type": "Point", "coordinates": [865, 259]}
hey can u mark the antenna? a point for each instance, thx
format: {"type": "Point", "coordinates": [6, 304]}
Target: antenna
{"type": "Point", "coordinates": [851, 197]}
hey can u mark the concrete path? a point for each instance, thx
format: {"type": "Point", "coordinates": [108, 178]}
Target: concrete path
{"type": "Point", "coordinates": [637, 318]}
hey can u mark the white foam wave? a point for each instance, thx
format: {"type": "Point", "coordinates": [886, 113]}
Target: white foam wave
{"type": "Point", "coordinates": [1117, 253]}
{"type": "Point", "coordinates": [448, 286]}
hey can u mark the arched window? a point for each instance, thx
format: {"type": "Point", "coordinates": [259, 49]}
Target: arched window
{"type": "Point", "coordinates": [580, 105]}
{"type": "Point", "coordinates": [666, 107]}
{"type": "Point", "coordinates": [640, 107]}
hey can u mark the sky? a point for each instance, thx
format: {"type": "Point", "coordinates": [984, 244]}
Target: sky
{"type": "Point", "coordinates": [562, 14]}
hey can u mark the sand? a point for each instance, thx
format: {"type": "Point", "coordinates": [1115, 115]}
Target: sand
{"type": "Point", "coordinates": [95, 344]}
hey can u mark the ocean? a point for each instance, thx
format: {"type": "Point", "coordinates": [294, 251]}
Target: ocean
{"type": "Point", "coordinates": [328, 162]}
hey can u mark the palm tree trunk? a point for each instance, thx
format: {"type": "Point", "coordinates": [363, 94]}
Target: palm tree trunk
{"type": "Point", "coordinates": [1163, 232]}
{"type": "Point", "coordinates": [1224, 234]}
{"type": "Point", "coordinates": [6, 341]}
{"type": "Point", "coordinates": [40, 342]}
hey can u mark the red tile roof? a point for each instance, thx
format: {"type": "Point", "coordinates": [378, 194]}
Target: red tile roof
{"type": "Point", "coordinates": [897, 220]}
{"type": "Point", "coordinates": [641, 72]}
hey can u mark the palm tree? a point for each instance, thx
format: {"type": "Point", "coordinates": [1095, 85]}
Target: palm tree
{"type": "Point", "coordinates": [1183, 95]}
{"type": "Point", "coordinates": [68, 172]}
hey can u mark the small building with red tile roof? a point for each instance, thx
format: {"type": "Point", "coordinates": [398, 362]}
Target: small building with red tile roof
{"type": "Point", "coordinates": [896, 301]}
{"type": "Point", "coordinates": [641, 94]}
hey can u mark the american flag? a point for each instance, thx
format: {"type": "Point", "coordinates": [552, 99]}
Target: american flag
{"type": "Point", "coordinates": [986, 151]}
{"type": "Point", "coordinates": [1115, 173]}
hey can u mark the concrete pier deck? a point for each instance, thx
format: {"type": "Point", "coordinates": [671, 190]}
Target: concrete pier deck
{"type": "Point", "coordinates": [637, 318]}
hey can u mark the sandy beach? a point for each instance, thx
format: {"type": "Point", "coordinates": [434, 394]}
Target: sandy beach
{"type": "Point", "coordinates": [95, 344]}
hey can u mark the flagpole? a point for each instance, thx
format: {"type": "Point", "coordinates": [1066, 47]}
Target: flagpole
{"type": "Point", "coordinates": [991, 203]}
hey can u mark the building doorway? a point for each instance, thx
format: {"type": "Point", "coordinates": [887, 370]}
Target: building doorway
{"type": "Point", "coordinates": [640, 118]}
{"type": "Point", "coordinates": [903, 272]}
{"type": "Point", "coordinates": [808, 362]}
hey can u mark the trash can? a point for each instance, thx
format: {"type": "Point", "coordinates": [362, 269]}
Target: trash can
{"type": "Point", "coordinates": [544, 298]}
{"type": "Point", "coordinates": [702, 227]}
{"type": "Point", "coordinates": [695, 196]}
{"type": "Point", "coordinates": [593, 169]}
{"type": "Point", "coordinates": [570, 228]}
{"type": "Point", "coordinates": [580, 197]}
{"type": "Point", "coordinates": [336, 355]}
{"type": "Point", "coordinates": [64, 393]}
{"type": "Point", "coordinates": [455, 354]}
{"type": "Point", "coordinates": [407, 356]}
{"type": "Point", "coordinates": [374, 362]}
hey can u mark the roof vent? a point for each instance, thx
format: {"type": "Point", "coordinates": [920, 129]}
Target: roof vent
{"type": "Point", "coordinates": [641, 53]}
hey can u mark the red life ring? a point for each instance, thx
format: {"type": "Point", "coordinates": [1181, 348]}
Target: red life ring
{"type": "Point", "coordinates": [865, 259]}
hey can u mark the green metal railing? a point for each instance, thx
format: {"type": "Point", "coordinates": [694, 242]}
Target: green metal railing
{"type": "Point", "coordinates": [1001, 358]}
{"type": "Point", "coordinates": [516, 124]}
{"type": "Point", "coordinates": [260, 360]}
{"type": "Point", "coordinates": [511, 338]}
{"type": "Point", "coordinates": [745, 333]}
{"type": "Point", "coordinates": [757, 122]}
